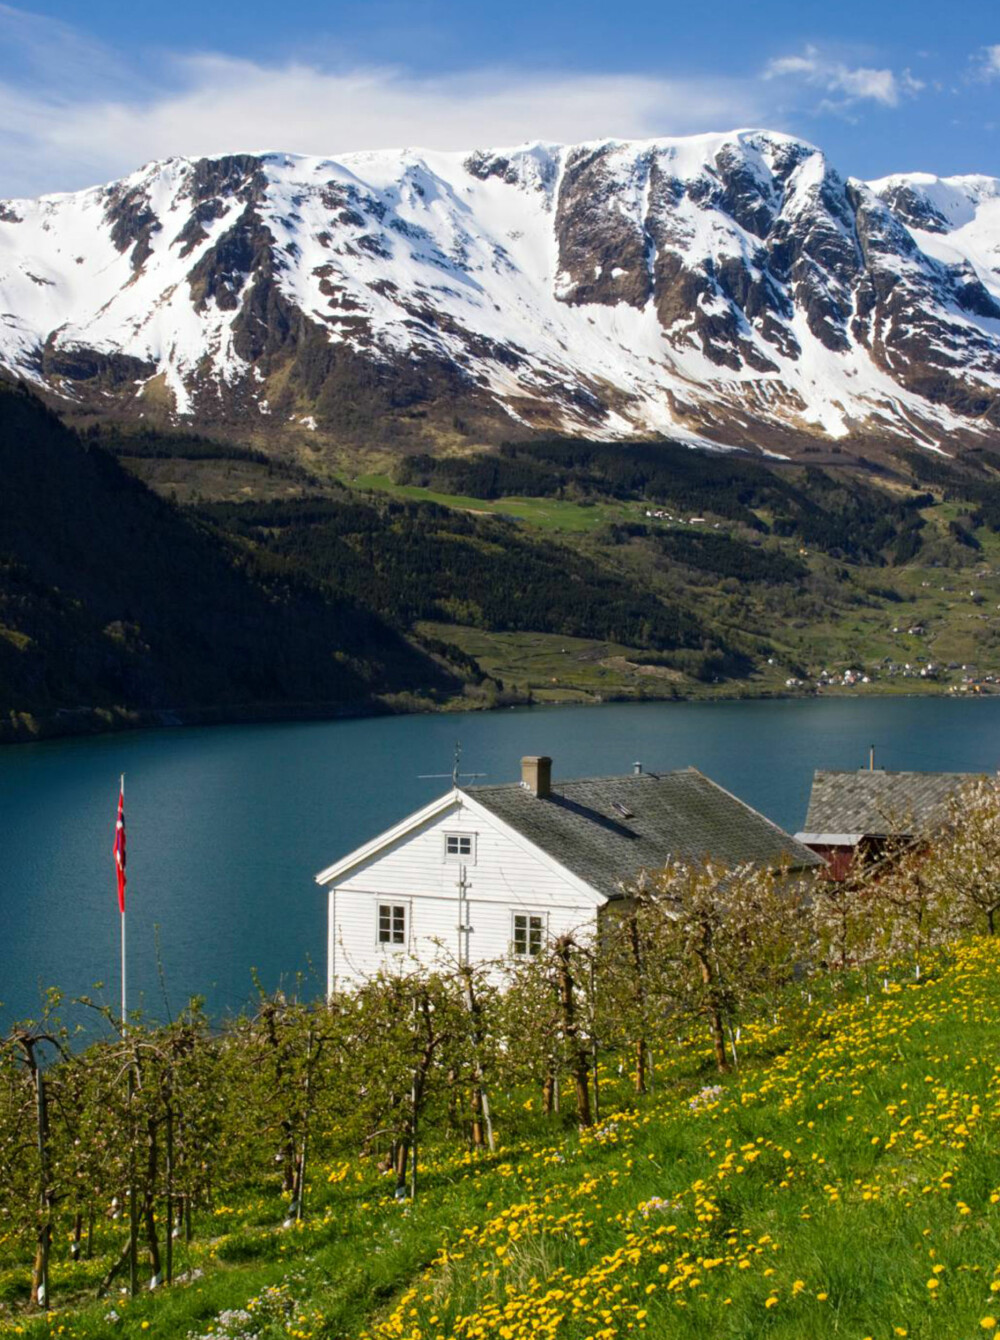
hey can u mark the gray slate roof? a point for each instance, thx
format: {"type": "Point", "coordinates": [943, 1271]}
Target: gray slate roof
{"type": "Point", "coordinates": [881, 804]}
{"type": "Point", "coordinates": [680, 816]}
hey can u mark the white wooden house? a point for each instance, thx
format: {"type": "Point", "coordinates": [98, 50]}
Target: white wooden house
{"type": "Point", "coordinates": [493, 872]}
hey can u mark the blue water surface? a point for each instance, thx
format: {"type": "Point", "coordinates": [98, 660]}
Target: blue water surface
{"type": "Point", "coordinates": [228, 825]}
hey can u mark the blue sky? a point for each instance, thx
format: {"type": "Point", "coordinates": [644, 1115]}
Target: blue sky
{"type": "Point", "coordinates": [89, 91]}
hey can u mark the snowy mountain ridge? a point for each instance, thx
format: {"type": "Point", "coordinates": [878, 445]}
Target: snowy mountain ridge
{"type": "Point", "coordinates": [731, 288]}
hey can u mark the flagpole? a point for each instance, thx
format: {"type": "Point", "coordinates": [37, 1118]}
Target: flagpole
{"type": "Point", "coordinates": [124, 1024]}
{"type": "Point", "coordinates": [120, 854]}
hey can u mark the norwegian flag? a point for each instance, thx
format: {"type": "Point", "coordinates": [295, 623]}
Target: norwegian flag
{"type": "Point", "coordinates": [119, 849]}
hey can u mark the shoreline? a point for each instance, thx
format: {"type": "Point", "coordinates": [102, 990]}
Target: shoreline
{"type": "Point", "coordinates": [23, 728]}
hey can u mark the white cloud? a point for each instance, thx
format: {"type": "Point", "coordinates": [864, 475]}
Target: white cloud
{"type": "Point", "coordinates": [62, 130]}
{"type": "Point", "coordinates": [225, 103]}
{"type": "Point", "coordinates": [849, 84]}
{"type": "Point", "coordinates": [989, 62]}
{"type": "Point", "coordinates": [75, 113]}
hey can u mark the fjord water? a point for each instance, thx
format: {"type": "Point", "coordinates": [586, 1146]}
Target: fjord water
{"type": "Point", "coordinates": [228, 825]}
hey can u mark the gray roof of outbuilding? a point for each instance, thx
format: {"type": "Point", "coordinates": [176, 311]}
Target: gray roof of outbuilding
{"type": "Point", "coordinates": [673, 816]}
{"type": "Point", "coordinates": [882, 804]}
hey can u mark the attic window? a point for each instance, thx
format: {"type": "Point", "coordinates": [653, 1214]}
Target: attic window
{"type": "Point", "coordinates": [392, 923]}
{"type": "Point", "coordinates": [623, 810]}
{"type": "Point", "coordinates": [459, 847]}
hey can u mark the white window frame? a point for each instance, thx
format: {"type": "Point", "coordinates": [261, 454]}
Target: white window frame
{"type": "Point", "coordinates": [458, 857]}
{"type": "Point", "coordinates": [390, 945]}
{"type": "Point", "coordinates": [526, 955]}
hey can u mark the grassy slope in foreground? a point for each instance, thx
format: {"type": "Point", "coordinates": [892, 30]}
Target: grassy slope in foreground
{"type": "Point", "coordinates": [846, 1182]}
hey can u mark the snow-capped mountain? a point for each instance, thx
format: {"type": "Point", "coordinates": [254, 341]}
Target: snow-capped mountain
{"type": "Point", "coordinates": [731, 288]}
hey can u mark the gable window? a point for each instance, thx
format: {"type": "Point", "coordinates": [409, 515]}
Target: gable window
{"type": "Point", "coordinates": [529, 932]}
{"type": "Point", "coordinates": [459, 847]}
{"type": "Point", "coordinates": [392, 923]}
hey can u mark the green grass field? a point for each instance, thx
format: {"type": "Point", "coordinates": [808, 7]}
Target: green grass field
{"type": "Point", "coordinates": [544, 514]}
{"type": "Point", "coordinates": [554, 668]}
{"type": "Point", "coordinates": [845, 1181]}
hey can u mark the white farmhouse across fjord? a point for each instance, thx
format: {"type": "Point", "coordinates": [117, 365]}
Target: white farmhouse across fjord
{"type": "Point", "coordinates": [488, 873]}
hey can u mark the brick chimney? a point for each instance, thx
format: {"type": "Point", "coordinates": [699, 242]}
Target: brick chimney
{"type": "Point", "coordinates": [536, 775]}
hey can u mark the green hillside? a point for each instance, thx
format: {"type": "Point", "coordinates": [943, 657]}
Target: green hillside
{"type": "Point", "coordinates": [588, 571]}
{"type": "Point", "coordinates": [235, 584]}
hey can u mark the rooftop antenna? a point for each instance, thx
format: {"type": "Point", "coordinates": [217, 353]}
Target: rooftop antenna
{"type": "Point", "coordinates": [455, 774]}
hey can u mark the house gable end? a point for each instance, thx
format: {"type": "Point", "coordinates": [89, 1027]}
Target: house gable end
{"type": "Point", "coordinates": [503, 866]}
{"type": "Point", "coordinates": [586, 891]}
{"type": "Point", "coordinates": [380, 845]}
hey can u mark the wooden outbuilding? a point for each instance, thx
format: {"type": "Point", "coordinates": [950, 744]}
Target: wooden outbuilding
{"type": "Point", "coordinates": [860, 816]}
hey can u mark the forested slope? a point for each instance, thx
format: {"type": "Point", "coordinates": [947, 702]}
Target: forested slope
{"type": "Point", "coordinates": [112, 601]}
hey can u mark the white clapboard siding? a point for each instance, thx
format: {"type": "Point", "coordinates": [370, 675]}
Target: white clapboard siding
{"type": "Point", "coordinates": [409, 866]}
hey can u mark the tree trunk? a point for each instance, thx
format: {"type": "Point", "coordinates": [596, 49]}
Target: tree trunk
{"type": "Point", "coordinates": [595, 1050]}
{"type": "Point", "coordinates": [713, 1011]}
{"type": "Point", "coordinates": [287, 1153]}
{"type": "Point", "coordinates": [480, 1101]}
{"type": "Point", "coordinates": [400, 1162]}
{"type": "Point", "coordinates": [456, 1113]}
{"type": "Point", "coordinates": [579, 1061]}
{"type": "Point", "coordinates": [418, 1090]}
{"type": "Point", "coordinates": [149, 1202]}
{"type": "Point", "coordinates": [549, 1092]}
{"type": "Point", "coordinates": [478, 1139]}
{"type": "Point", "coordinates": [640, 1000]}
{"type": "Point", "coordinates": [169, 1171]}
{"type": "Point", "coordinates": [300, 1171]}
{"type": "Point", "coordinates": [133, 1227]}
{"type": "Point", "coordinates": [640, 1065]}
{"type": "Point", "coordinates": [116, 1269]}
{"type": "Point", "coordinates": [40, 1272]}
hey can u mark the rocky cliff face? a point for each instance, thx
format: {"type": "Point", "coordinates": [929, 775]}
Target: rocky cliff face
{"type": "Point", "coordinates": [728, 288]}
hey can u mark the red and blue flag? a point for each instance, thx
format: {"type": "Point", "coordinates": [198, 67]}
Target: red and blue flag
{"type": "Point", "coordinates": [119, 850]}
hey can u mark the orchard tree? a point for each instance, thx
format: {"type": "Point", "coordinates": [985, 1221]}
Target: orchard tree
{"type": "Point", "coordinates": [846, 920]}
{"type": "Point", "coordinates": [964, 863]}
{"type": "Point", "coordinates": [547, 1017]}
{"type": "Point", "coordinates": [718, 941]}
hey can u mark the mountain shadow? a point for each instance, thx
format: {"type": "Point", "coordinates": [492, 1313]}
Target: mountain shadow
{"type": "Point", "coordinates": [116, 606]}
